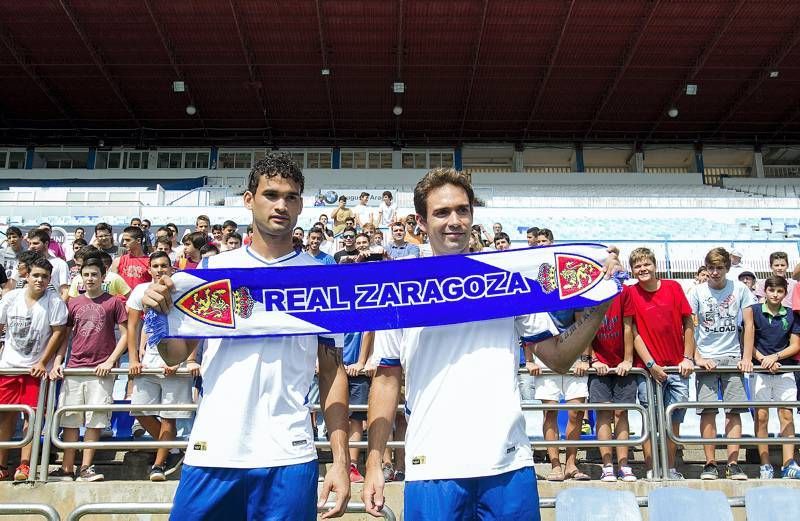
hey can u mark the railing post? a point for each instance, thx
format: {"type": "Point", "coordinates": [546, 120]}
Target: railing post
{"type": "Point", "coordinates": [37, 427]}
{"type": "Point", "coordinates": [661, 450]}
{"type": "Point", "coordinates": [48, 420]}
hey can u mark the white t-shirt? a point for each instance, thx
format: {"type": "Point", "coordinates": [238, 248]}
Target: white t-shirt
{"type": "Point", "coordinates": [388, 214]}
{"type": "Point", "coordinates": [28, 329]}
{"type": "Point", "coordinates": [462, 402]}
{"type": "Point", "coordinates": [253, 411]}
{"type": "Point", "coordinates": [364, 213]}
{"type": "Point", "coordinates": [719, 314]}
{"type": "Point", "coordinates": [58, 277]}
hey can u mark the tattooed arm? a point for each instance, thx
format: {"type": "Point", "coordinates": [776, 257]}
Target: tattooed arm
{"type": "Point", "coordinates": [560, 352]}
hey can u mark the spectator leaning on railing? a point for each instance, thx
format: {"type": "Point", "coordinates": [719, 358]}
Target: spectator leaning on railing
{"type": "Point", "coordinates": [772, 334]}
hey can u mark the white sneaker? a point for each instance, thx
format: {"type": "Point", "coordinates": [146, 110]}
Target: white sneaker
{"type": "Point", "coordinates": [766, 472]}
{"type": "Point", "coordinates": [608, 474]}
{"type": "Point", "coordinates": [626, 474]}
{"type": "Point", "coordinates": [674, 475]}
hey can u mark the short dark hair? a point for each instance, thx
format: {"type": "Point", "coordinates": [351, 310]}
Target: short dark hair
{"type": "Point", "coordinates": [135, 232]}
{"type": "Point", "coordinates": [202, 217]}
{"type": "Point", "coordinates": [362, 234]}
{"type": "Point", "coordinates": [103, 226]}
{"type": "Point", "coordinates": [136, 219]}
{"type": "Point", "coordinates": [159, 255]}
{"type": "Point", "coordinates": [778, 255]}
{"type": "Point", "coordinates": [208, 247]}
{"type": "Point", "coordinates": [164, 240]}
{"type": "Point", "coordinates": [229, 223]}
{"type": "Point", "coordinates": [350, 219]}
{"type": "Point", "coordinates": [38, 233]}
{"type": "Point", "coordinates": [363, 194]}
{"type": "Point", "coordinates": [216, 228]}
{"type": "Point", "coordinates": [275, 164]}
{"type": "Point", "coordinates": [387, 193]}
{"type": "Point", "coordinates": [84, 252]}
{"type": "Point", "coordinates": [46, 224]}
{"type": "Point", "coordinates": [27, 257]}
{"type": "Point", "coordinates": [167, 229]}
{"type": "Point", "coordinates": [97, 263]}
{"type": "Point", "coordinates": [776, 281]}
{"type": "Point", "coordinates": [437, 178]}
{"type": "Point", "coordinates": [76, 229]}
{"type": "Point", "coordinates": [79, 242]}
{"type": "Point", "coordinates": [105, 257]}
{"type": "Point", "coordinates": [343, 198]}
{"type": "Point", "coordinates": [298, 228]}
{"type": "Point", "coordinates": [198, 239]}
{"type": "Point", "coordinates": [41, 262]}
{"type": "Point", "coordinates": [546, 232]}
{"type": "Point", "coordinates": [234, 235]}
{"type": "Point", "coordinates": [13, 229]}
{"type": "Point", "coordinates": [147, 221]}
{"type": "Point", "coordinates": [502, 235]}
{"type": "Point", "coordinates": [700, 270]}
{"type": "Point", "coordinates": [533, 230]}
{"type": "Point", "coordinates": [316, 230]}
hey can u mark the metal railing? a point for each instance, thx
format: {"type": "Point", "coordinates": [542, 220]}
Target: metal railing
{"type": "Point", "coordinates": [29, 509]}
{"type": "Point", "coordinates": [642, 501]}
{"type": "Point", "coordinates": [166, 508]}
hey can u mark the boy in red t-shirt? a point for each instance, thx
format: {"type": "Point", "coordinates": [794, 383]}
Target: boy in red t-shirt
{"type": "Point", "coordinates": [612, 349]}
{"type": "Point", "coordinates": [133, 266]}
{"type": "Point", "coordinates": [663, 333]}
{"type": "Point", "coordinates": [92, 317]}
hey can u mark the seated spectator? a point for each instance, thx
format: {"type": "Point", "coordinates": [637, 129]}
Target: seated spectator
{"type": "Point", "coordinates": [349, 253]}
{"type": "Point", "coordinates": [702, 275]}
{"type": "Point", "coordinates": [33, 320]}
{"type": "Point", "coordinates": [413, 233]}
{"type": "Point", "coordinates": [377, 238]}
{"type": "Point", "coordinates": [249, 237]}
{"type": "Point", "coordinates": [661, 319]}
{"type": "Point", "coordinates": [718, 304]}
{"type": "Point", "coordinates": [779, 264]}
{"type": "Point", "coordinates": [400, 248]}
{"type": "Point", "coordinates": [475, 242]}
{"type": "Point", "coordinates": [612, 348]}
{"type": "Point", "coordinates": [150, 389]}
{"type": "Point", "coordinates": [772, 334]}
{"type": "Point", "coordinates": [92, 318]}
{"type": "Point", "coordinates": [299, 233]}
{"type": "Point", "coordinates": [229, 227]}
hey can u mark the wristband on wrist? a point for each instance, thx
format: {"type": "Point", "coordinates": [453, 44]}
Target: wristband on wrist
{"type": "Point", "coordinates": [586, 358]}
{"type": "Point", "coordinates": [650, 364]}
{"type": "Point", "coordinates": [191, 360]}
{"type": "Point", "coordinates": [689, 358]}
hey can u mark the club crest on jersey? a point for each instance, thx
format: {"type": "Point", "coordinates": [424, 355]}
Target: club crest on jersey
{"type": "Point", "coordinates": [210, 303]}
{"type": "Point", "coordinates": [576, 274]}
{"type": "Point", "coordinates": [243, 303]}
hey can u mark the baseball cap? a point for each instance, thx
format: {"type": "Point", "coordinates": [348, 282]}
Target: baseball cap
{"type": "Point", "coordinates": [746, 274]}
{"type": "Point", "coordinates": [736, 253]}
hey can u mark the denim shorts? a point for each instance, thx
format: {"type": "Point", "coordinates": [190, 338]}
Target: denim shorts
{"type": "Point", "coordinates": [675, 389]}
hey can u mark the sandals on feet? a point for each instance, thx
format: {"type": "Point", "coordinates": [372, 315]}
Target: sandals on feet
{"type": "Point", "coordinates": [577, 475]}
{"type": "Point", "coordinates": [556, 474]}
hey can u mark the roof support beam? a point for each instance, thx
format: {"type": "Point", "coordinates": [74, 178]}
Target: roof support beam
{"type": "Point", "coordinates": [475, 60]}
{"type": "Point", "coordinates": [173, 60]}
{"type": "Point", "coordinates": [21, 57]}
{"type": "Point", "coordinates": [98, 59]}
{"type": "Point", "coordinates": [252, 71]}
{"type": "Point", "coordinates": [630, 52]}
{"type": "Point", "coordinates": [325, 64]}
{"type": "Point", "coordinates": [709, 48]}
{"type": "Point", "coordinates": [550, 65]}
{"type": "Point", "coordinates": [762, 74]}
{"type": "Point", "coordinates": [399, 72]}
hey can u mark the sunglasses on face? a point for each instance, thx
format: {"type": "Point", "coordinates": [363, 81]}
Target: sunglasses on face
{"type": "Point", "coordinates": [348, 236]}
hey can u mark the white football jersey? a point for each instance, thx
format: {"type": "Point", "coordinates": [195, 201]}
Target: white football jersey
{"type": "Point", "coordinates": [462, 402]}
{"type": "Point", "coordinates": [253, 411]}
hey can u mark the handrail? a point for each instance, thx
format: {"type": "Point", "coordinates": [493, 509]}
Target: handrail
{"type": "Point", "coordinates": [45, 511]}
{"type": "Point", "coordinates": [35, 419]}
{"type": "Point", "coordinates": [28, 437]}
{"type": "Point", "coordinates": [681, 440]}
{"type": "Point", "coordinates": [642, 501]}
{"type": "Point", "coordinates": [166, 508]}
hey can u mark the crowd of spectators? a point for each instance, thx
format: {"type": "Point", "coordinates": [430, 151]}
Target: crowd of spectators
{"type": "Point", "coordinates": [79, 305]}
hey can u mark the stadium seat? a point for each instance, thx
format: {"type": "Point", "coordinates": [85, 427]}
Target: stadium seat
{"type": "Point", "coordinates": [596, 504]}
{"type": "Point", "coordinates": [768, 503]}
{"type": "Point", "coordinates": [687, 504]}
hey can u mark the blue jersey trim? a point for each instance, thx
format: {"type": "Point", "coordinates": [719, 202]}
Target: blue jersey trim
{"type": "Point", "coordinates": [389, 362]}
{"type": "Point", "coordinates": [279, 260]}
{"type": "Point", "coordinates": [326, 341]}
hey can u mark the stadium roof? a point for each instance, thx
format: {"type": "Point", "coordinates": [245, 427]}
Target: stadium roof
{"type": "Point", "coordinates": [472, 70]}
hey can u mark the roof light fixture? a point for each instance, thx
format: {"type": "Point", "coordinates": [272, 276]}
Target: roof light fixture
{"type": "Point", "coordinates": [398, 87]}
{"type": "Point", "coordinates": [691, 89]}
{"type": "Point", "coordinates": [774, 74]}
{"type": "Point", "coordinates": [191, 110]}
{"type": "Point", "coordinates": [325, 72]}
{"type": "Point", "coordinates": [178, 86]}
{"type": "Point", "coordinates": [397, 110]}
{"type": "Point", "coordinates": [673, 112]}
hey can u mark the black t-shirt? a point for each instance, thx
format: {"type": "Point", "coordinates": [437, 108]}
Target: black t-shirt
{"type": "Point", "coordinates": [344, 253]}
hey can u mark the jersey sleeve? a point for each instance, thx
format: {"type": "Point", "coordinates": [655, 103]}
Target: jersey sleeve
{"type": "Point", "coordinates": [386, 349]}
{"type": "Point", "coordinates": [120, 313]}
{"type": "Point", "coordinates": [536, 327]}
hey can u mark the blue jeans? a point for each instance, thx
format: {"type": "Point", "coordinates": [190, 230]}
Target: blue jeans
{"type": "Point", "coordinates": [675, 389]}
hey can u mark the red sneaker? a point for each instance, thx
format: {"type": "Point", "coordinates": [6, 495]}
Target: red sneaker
{"type": "Point", "coordinates": [22, 473]}
{"type": "Point", "coordinates": [355, 475]}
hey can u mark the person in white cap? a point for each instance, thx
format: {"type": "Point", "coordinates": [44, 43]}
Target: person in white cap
{"type": "Point", "coordinates": [736, 265]}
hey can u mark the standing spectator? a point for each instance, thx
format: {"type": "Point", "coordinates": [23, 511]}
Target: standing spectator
{"type": "Point", "coordinates": [113, 284]}
{"type": "Point", "coordinates": [772, 334]}
{"type": "Point", "coordinates": [377, 238]}
{"type": "Point", "coordinates": [166, 233]}
{"type": "Point", "coordinates": [748, 278]}
{"type": "Point", "coordinates": [299, 233]}
{"type": "Point", "coordinates": [38, 241]}
{"type": "Point", "coordinates": [413, 233]}
{"type": "Point", "coordinates": [92, 318]}
{"type": "Point", "coordinates": [702, 275]}
{"type": "Point", "coordinates": [33, 319]}
{"type": "Point", "coordinates": [362, 212]}
{"type": "Point", "coordinates": [612, 348]}
{"type": "Point", "coordinates": [349, 253]}
{"type": "Point", "coordinates": [736, 265]}
{"type": "Point", "coordinates": [74, 269]}
{"type": "Point", "coordinates": [150, 389]}
{"type": "Point", "coordinates": [661, 319]}
{"type": "Point", "coordinates": [502, 241]}
{"type": "Point", "coordinates": [54, 247]}
{"type": "Point", "coordinates": [14, 245]}
{"type": "Point", "coordinates": [340, 214]}
{"type": "Point", "coordinates": [79, 233]}
{"type": "Point", "coordinates": [104, 240]}
{"type": "Point", "coordinates": [544, 237]}
{"type": "Point", "coordinates": [24, 263]}
{"type": "Point", "coordinates": [133, 266]}
{"type": "Point", "coordinates": [149, 236]}
{"type": "Point", "coordinates": [233, 241]}
{"type": "Point", "coordinates": [203, 225]}
{"type": "Point", "coordinates": [531, 234]}
{"type": "Point", "coordinates": [192, 244]}
{"type": "Point", "coordinates": [387, 212]}
{"type": "Point", "coordinates": [217, 234]}
{"type": "Point", "coordinates": [315, 237]}
{"type": "Point", "coordinates": [779, 264]}
{"type": "Point", "coordinates": [399, 248]}
{"type": "Point", "coordinates": [718, 305]}
{"type": "Point", "coordinates": [249, 237]}
{"type": "Point", "coordinates": [229, 227]}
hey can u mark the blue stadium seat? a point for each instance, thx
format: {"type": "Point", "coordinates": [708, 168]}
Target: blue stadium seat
{"type": "Point", "coordinates": [768, 503]}
{"type": "Point", "coordinates": [687, 504]}
{"type": "Point", "coordinates": [596, 504]}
